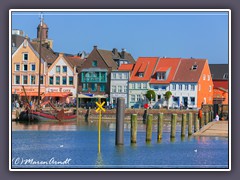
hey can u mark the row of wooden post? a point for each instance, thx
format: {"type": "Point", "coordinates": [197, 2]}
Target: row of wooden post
{"type": "Point", "coordinates": [198, 123]}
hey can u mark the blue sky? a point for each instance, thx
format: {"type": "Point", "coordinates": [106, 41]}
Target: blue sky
{"type": "Point", "coordinates": [170, 34]}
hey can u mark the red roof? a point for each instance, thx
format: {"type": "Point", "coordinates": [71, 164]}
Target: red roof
{"type": "Point", "coordinates": [220, 84]}
{"type": "Point", "coordinates": [126, 67]}
{"type": "Point", "coordinates": [164, 65]}
{"type": "Point", "coordinates": [145, 65]}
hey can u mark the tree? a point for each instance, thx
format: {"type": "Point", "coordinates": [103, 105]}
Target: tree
{"type": "Point", "coordinates": [167, 96]}
{"type": "Point", "coordinates": [150, 95]}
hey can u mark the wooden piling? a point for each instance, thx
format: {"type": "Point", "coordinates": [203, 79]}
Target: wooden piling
{"type": "Point", "coordinates": [149, 127]}
{"type": "Point", "coordinates": [160, 126]}
{"type": "Point", "coordinates": [120, 113]}
{"type": "Point", "coordinates": [133, 128]}
{"type": "Point", "coordinates": [183, 125]}
{"type": "Point", "coordinates": [190, 124]}
{"type": "Point", "coordinates": [202, 121]}
{"type": "Point", "coordinates": [196, 123]}
{"type": "Point", "coordinates": [206, 118]}
{"type": "Point", "coordinates": [173, 125]}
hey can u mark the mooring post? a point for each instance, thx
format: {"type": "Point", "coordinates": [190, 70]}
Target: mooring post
{"type": "Point", "coordinates": [133, 128]}
{"type": "Point", "coordinates": [120, 121]}
{"type": "Point", "coordinates": [173, 125]}
{"type": "Point", "coordinates": [149, 127]}
{"type": "Point", "coordinates": [190, 123]}
{"type": "Point", "coordinates": [196, 123]}
{"type": "Point", "coordinates": [206, 118]}
{"type": "Point", "coordinates": [160, 126]}
{"type": "Point", "coordinates": [202, 121]}
{"type": "Point", "coordinates": [183, 125]}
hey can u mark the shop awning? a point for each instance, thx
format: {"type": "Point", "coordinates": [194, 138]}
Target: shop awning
{"type": "Point", "coordinates": [30, 94]}
{"type": "Point", "coordinates": [58, 94]}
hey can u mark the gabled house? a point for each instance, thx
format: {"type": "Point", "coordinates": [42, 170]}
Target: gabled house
{"type": "Point", "coordinates": [192, 84]}
{"type": "Point", "coordinates": [120, 84]}
{"type": "Point", "coordinates": [161, 78]}
{"type": "Point", "coordinates": [62, 79]}
{"type": "Point", "coordinates": [95, 72]}
{"type": "Point", "coordinates": [139, 80]}
{"type": "Point", "coordinates": [220, 82]}
{"type": "Point", "coordinates": [25, 70]}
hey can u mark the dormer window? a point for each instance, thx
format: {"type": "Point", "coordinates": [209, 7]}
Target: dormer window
{"type": "Point", "coordinates": [194, 67]}
{"type": "Point", "coordinates": [225, 76]}
{"type": "Point", "coordinates": [161, 75]}
{"type": "Point", "coordinates": [140, 74]}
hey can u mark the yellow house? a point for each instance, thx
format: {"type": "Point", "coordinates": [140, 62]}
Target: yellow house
{"type": "Point", "coordinates": [25, 70]}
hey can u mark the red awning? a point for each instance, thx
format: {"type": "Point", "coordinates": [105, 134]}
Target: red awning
{"type": "Point", "coordinates": [58, 94]}
{"type": "Point", "coordinates": [30, 93]}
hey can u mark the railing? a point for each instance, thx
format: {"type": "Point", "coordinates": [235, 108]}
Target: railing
{"type": "Point", "coordinates": [94, 79]}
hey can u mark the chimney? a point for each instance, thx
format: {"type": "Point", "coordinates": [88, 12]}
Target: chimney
{"type": "Point", "coordinates": [95, 47]}
{"type": "Point", "coordinates": [115, 51]}
{"type": "Point", "coordinates": [123, 53]}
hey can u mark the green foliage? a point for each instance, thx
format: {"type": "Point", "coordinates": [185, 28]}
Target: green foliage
{"type": "Point", "coordinates": [150, 95]}
{"type": "Point", "coordinates": [167, 95]}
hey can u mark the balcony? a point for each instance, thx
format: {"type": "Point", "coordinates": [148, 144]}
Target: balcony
{"type": "Point", "coordinates": [94, 79]}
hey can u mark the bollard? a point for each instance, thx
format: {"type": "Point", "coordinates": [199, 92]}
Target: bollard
{"type": "Point", "coordinates": [202, 121]}
{"type": "Point", "coordinates": [120, 121]}
{"type": "Point", "coordinates": [160, 126]}
{"type": "Point", "coordinates": [196, 123]}
{"type": "Point", "coordinates": [206, 118]}
{"type": "Point", "coordinates": [190, 123]}
{"type": "Point", "coordinates": [133, 128]}
{"type": "Point", "coordinates": [173, 125]}
{"type": "Point", "coordinates": [149, 127]}
{"type": "Point", "coordinates": [183, 126]}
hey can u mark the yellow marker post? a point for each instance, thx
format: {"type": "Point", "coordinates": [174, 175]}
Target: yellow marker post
{"type": "Point", "coordinates": [99, 109]}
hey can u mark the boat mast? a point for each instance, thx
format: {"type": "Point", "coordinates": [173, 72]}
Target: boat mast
{"type": "Point", "coordinates": [40, 57]}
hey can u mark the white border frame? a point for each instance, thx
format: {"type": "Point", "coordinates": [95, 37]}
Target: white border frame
{"type": "Point", "coordinates": [118, 10]}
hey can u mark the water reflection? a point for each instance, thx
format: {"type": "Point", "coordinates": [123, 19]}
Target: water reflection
{"type": "Point", "coordinates": [99, 162]}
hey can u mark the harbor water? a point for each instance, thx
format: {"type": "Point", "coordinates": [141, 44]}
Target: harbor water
{"type": "Point", "coordinates": [75, 145]}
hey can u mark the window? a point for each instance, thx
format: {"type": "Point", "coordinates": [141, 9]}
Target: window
{"type": "Point", "coordinates": [51, 80]}
{"type": "Point", "coordinates": [94, 64]}
{"type": "Point", "coordinates": [17, 79]}
{"type": "Point", "coordinates": [33, 79]}
{"type": "Point", "coordinates": [125, 89]}
{"type": "Point", "coordinates": [138, 97]}
{"type": "Point", "coordinates": [133, 85]}
{"type": "Point", "coordinates": [94, 86]}
{"type": "Point", "coordinates": [180, 86]}
{"type": "Point", "coordinates": [132, 98]}
{"type": "Point", "coordinates": [114, 89]}
{"type": "Point", "coordinates": [119, 89]}
{"type": "Point", "coordinates": [57, 69]}
{"type": "Point", "coordinates": [33, 67]}
{"type": "Point", "coordinates": [192, 99]}
{"type": "Point", "coordinates": [225, 76]}
{"type": "Point", "coordinates": [84, 86]}
{"type": "Point", "coordinates": [120, 75]}
{"type": "Point", "coordinates": [210, 88]}
{"type": "Point", "coordinates": [102, 87]}
{"type": "Point", "coordinates": [64, 69]}
{"type": "Point", "coordinates": [194, 67]}
{"type": "Point", "coordinates": [57, 80]}
{"type": "Point", "coordinates": [144, 85]}
{"type": "Point", "coordinates": [114, 75]}
{"type": "Point", "coordinates": [161, 75]}
{"type": "Point", "coordinates": [25, 67]}
{"type": "Point", "coordinates": [64, 80]}
{"type": "Point", "coordinates": [186, 87]}
{"type": "Point", "coordinates": [41, 79]}
{"type": "Point", "coordinates": [138, 86]}
{"type": "Point", "coordinates": [25, 56]}
{"type": "Point", "coordinates": [125, 76]}
{"type": "Point", "coordinates": [192, 87]}
{"type": "Point", "coordinates": [204, 77]}
{"type": "Point", "coordinates": [17, 67]}
{"type": "Point", "coordinates": [25, 79]}
{"type": "Point", "coordinates": [208, 77]}
{"type": "Point", "coordinates": [174, 87]}
{"type": "Point", "coordinates": [140, 74]}
{"type": "Point", "coordinates": [70, 80]}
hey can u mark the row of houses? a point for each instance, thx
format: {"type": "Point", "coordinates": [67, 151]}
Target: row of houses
{"type": "Point", "coordinates": [107, 73]}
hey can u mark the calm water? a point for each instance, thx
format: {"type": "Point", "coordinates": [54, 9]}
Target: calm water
{"type": "Point", "coordinates": [76, 146]}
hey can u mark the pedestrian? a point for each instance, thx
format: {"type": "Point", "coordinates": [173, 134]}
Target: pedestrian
{"type": "Point", "coordinates": [17, 105]}
{"type": "Point", "coordinates": [200, 113]}
{"type": "Point", "coordinates": [217, 117]}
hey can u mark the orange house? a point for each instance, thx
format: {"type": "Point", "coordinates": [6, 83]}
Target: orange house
{"type": "Point", "coordinates": [220, 95]}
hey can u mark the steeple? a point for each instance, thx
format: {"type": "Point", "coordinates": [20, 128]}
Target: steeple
{"type": "Point", "coordinates": [44, 29]}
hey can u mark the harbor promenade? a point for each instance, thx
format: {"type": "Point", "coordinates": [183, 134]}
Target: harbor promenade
{"type": "Point", "coordinates": [215, 128]}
